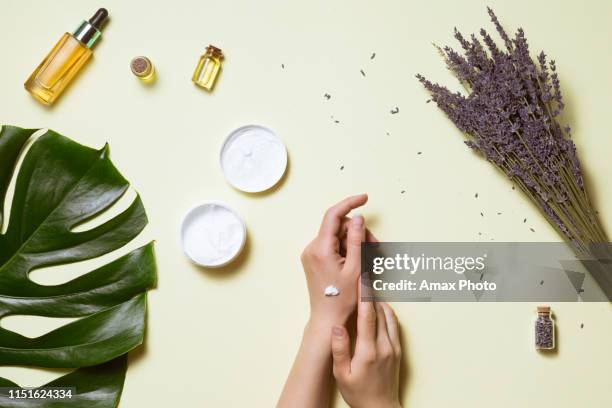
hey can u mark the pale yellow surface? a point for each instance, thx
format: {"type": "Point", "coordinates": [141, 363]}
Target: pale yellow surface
{"type": "Point", "coordinates": [227, 338]}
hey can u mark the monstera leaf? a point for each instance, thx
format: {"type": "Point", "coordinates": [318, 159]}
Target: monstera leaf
{"type": "Point", "coordinates": [60, 185]}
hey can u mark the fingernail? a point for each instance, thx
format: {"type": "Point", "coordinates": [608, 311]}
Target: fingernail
{"type": "Point", "coordinates": [357, 221]}
{"type": "Point", "coordinates": [337, 331]}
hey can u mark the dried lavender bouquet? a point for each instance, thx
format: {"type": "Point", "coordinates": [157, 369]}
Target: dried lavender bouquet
{"type": "Point", "coordinates": [509, 115]}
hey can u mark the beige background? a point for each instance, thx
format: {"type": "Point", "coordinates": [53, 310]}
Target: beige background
{"type": "Point", "coordinates": [227, 338]}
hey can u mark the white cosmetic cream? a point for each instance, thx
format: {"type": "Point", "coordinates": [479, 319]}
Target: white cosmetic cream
{"type": "Point", "coordinates": [331, 290]}
{"type": "Point", "coordinates": [253, 158]}
{"type": "Point", "coordinates": [212, 234]}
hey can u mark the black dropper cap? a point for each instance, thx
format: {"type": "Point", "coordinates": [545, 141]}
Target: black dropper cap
{"type": "Point", "coordinates": [98, 19]}
{"type": "Point", "coordinates": [89, 31]}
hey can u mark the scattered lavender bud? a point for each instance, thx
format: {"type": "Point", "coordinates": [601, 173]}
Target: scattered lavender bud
{"type": "Point", "coordinates": [373, 55]}
{"type": "Point", "coordinates": [394, 110]}
{"type": "Point", "coordinates": [362, 73]}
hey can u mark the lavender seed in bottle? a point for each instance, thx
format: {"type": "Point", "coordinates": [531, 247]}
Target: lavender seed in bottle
{"type": "Point", "coordinates": [544, 329]}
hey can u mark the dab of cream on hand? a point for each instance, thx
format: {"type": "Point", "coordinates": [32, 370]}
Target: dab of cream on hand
{"type": "Point", "coordinates": [212, 234]}
{"type": "Point", "coordinates": [331, 290]}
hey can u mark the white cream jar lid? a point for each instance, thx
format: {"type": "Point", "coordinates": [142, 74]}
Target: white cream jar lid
{"type": "Point", "coordinates": [212, 234]}
{"type": "Point", "coordinates": [253, 158]}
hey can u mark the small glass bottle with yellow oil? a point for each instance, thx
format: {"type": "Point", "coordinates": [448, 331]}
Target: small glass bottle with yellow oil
{"type": "Point", "coordinates": [143, 68]}
{"type": "Point", "coordinates": [65, 60]}
{"type": "Point", "coordinates": [208, 67]}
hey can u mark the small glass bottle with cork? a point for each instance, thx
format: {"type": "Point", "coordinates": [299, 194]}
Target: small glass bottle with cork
{"type": "Point", "coordinates": [544, 329]}
{"type": "Point", "coordinates": [143, 68]}
{"type": "Point", "coordinates": [207, 70]}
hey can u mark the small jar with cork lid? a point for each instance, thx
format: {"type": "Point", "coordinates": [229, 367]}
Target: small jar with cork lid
{"type": "Point", "coordinates": [207, 70]}
{"type": "Point", "coordinates": [143, 69]}
{"type": "Point", "coordinates": [544, 329]}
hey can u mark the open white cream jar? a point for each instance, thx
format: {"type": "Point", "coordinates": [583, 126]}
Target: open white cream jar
{"type": "Point", "coordinates": [253, 158]}
{"type": "Point", "coordinates": [212, 234]}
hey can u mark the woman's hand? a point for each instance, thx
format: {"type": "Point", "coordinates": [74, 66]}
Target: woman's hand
{"type": "Point", "coordinates": [370, 379]}
{"type": "Point", "coordinates": [334, 258]}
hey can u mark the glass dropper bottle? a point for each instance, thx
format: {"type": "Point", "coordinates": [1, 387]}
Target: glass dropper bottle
{"type": "Point", "coordinates": [65, 60]}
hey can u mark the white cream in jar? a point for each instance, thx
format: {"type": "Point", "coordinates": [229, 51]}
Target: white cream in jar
{"type": "Point", "coordinates": [253, 158]}
{"type": "Point", "coordinates": [212, 234]}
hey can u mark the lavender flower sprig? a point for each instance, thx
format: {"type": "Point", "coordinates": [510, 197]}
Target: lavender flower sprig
{"type": "Point", "coordinates": [509, 115]}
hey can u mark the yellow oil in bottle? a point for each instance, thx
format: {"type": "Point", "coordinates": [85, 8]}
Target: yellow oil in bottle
{"type": "Point", "coordinates": [143, 68]}
{"type": "Point", "coordinates": [65, 60]}
{"type": "Point", "coordinates": [208, 67]}
{"type": "Point", "coordinates": [59, 67]}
